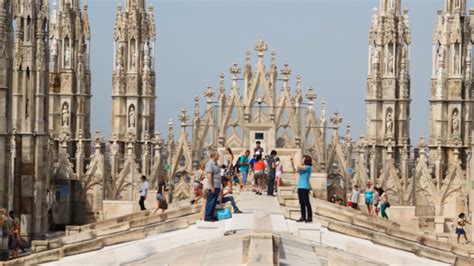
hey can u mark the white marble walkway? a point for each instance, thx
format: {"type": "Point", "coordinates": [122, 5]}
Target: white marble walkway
{"type": "Point", "coordinates": [207, 242]}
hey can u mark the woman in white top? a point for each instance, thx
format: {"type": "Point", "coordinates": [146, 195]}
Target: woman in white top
{"type": "Point", "coordinates": [278, 173]}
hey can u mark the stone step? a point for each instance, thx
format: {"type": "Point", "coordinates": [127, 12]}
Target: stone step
{"type": "Point", "coordinates": [355, 223]}
{"type": "Point", "coordinates": [94, 237]}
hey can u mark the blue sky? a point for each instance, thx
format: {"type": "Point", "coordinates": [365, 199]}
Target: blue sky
{"type": "Point", "coordinates": [325, 41]}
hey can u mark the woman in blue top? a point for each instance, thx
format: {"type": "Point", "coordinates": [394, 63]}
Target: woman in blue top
{"type": "Point", "coordinates": [303, 188]}
{"type": "Point", "coordinates": [369, 197]}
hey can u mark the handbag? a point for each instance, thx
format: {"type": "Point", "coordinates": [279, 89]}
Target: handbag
{"type": "Point", "coordinates": [349, 203]}
{"type": "Point", "coordinates": [387, 205]}
{"type": "Point", "coordinates": [223, 214]}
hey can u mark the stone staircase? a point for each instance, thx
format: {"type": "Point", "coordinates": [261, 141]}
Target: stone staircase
{"type": "Point", "coordinates": [380, 231]}
{"type": "Point", "coordinates": [95, 236]}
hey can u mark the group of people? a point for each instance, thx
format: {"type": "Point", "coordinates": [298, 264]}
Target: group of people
{"type": "Point", "coordinates": [161, 203]}
{"type": "Point", "coordinates": [12, 230]}
{"type": "Point", "coordinates": [214, 183]}
{"type": "Point", "coordinates": [376, 200]}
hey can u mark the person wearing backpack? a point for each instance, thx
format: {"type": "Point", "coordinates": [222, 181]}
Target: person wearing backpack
{"type": "Point", "coordinates": [244, 167]}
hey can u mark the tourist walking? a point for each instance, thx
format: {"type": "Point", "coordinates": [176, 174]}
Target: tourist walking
{"type": "Point", "coordinates": [369, 197]}
{"type": "Point", "coordinates": [278, 173]}
{"type": "Point", "coordinates": [13, 232]}
{"type": "Point", "coordinates": [161, 203]}
{"type": "Point", "coordinates": [354, 198]}
{"type": "Point", "coordinates": [227, 195]}
{"type": "Point", "coordinates": [259, 172]}
{"type": "Point", "coordinates": [214, 178]}
{"type": "Point", "coordinates": [461, 222]}
{"type": "Point", "coordinates": [143, 193]}
{"type": "Point", "coordinates": [15, 243]}
{"type": "Point", "coordinates": [304, 171]}
{"type": "Point", "coordinates": [198, 186]}
{"type": "Point", "coordinates": [244, 166]}
{"type": "Point", "coordinates": [376, 201]}
{"type": "Point", "coordinates": [384, 204]}
{"type": "Point", "coordinates": [271, 164]}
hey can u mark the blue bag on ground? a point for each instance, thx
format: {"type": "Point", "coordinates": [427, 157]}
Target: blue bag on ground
{"type": "Point", "coordinates": [223, 214]}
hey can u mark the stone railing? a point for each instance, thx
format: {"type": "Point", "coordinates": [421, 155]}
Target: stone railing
{"type": "Point", "coordinates": [91, 237]}
{"type": "Point", "coordinates": [351, 222]}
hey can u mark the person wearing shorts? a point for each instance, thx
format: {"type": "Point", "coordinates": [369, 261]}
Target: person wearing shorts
{"type": "Point", "coordinates": [369, 197]}
{"type": "Point", "coordinates": [259, 172]}
{"type": "Point", "coordinates": [460, 227]}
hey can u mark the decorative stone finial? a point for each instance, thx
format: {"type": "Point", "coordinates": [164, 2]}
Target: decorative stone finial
{"type": "Point", "coordinates": [196, 107]}
{"type": "Point", "coordinates": [261, 47]}
{"type": "Point", "coordinates": [336, 120]}
{"type": "Point", "coordinates": [247, 57]}
{"type": "Point", "coordinates": [209, 93]}
{"type": "Point", "coordinates": [235, 70]}
{"type": "Point", "coordinates": [348, 133]}
{"type": "Point", "coordinates": [286, 72]}
{"type": "Point", "coordinates": [311, 95]}
{"type": "Point", "coordinates": [183, 118]}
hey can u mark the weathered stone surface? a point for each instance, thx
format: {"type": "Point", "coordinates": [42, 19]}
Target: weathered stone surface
{"type": "Point", "coordinates": [351, 230]}
{"type": "Point", "coordinates": [434, 254]}
{"type": "Point", "coordinates": [43, 257]}
{"type": "Point", "coordinates": [395, 232]}
{"type": "Point", "coordinates": [162, 216]}
{"type": "Point", "coordinates": [166, 227]}
{"type": "Point", "coordinates": [113, 229]}
{"type": "Point", "coordinates": [81, 237]}
{"type": "Point", "coordinates": [436, 244]}
{"type": "Point", "coordinates": [39, 245]}
{"type": "Point", "coordinates": [82, 247]}
{"type": "Point", "coordinates": [123, 237]}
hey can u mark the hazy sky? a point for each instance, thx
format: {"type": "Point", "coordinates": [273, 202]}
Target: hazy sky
{"type": "Point", "coordinates": [323, 40]}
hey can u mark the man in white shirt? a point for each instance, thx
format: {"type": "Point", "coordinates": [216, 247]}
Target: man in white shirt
{"type": "Point", "coordinates": [143, 193]}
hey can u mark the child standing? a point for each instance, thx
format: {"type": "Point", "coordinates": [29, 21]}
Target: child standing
{"type": "Point", "coordinates": [460, 226]}
{"type": "Point", "coordinates": [355, 197]}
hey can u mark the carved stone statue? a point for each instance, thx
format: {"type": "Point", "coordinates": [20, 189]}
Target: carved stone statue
{"type": "Point", "coordinates": [134, 59]}
{"type": "Point", "coordinates": [119, 62]}
{"type": "Point", "coordinates": [456, 63]}
{"type": "Point", "coordinates": [67, 57]}
{"type": "Point", "coordinates": [54, 48]}
{"type": "Point", "coordinates": [440, 55]}
{"type": "Point", "coordinates": [376, 58]}
{"type": "Point", "coordinates": [146, 49]}
{"type": "Point", "coordinates": [390, 63]}
{"type": "Point", "coordinates": [131, 117]}
{"type": "Point", "coordinates": [455, 123]}
{"type": "Point", "coordinates": [389, 124]}
{"type": "Point", "coordinates": [405, 53]}
{"type": "Point", "coordinates": [65, 115]}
